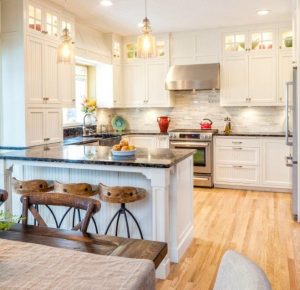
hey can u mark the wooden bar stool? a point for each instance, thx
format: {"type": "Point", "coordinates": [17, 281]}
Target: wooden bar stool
{"type": "Point", "coordinates": [35, 186]}
{"type": "Point", "coordinates": [3, 196]}
{"type": "Point", "coordinates": [122, 195]}
{"type": "Point", "coordinates": [77, 189]}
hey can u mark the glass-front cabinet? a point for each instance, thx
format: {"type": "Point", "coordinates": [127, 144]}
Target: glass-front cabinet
{"type": "Point", "coordinates": [42, 20]}
{"type": "Point", "coordinates": [254, 41]}
{"type": "Point", "coordinates": [162, 49]}
{"type": "Point", "coordinates": [285, 39]}
{"type": "Point", "coordinates": [262, 40]}
{"type": "Point", "coordinates": [235, 42]}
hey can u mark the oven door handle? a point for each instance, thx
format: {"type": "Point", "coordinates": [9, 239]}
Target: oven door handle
{"type": "Point", "coordinates": [189, 145]}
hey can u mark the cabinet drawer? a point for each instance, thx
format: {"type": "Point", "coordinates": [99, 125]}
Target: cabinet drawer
{"type": "Point", "coordinates": [237, 174]}
{"type": "Point", "coordinates": [240, 142]}
{"type": "Point", "coordinates": [237, 155]}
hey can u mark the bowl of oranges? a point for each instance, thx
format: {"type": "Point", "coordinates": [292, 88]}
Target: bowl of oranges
{"type": "Point", "coordinates": [123, 149]}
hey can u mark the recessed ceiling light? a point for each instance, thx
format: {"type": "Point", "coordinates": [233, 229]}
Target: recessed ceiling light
{"type": "Point", "coordinates": [106, 3]}
{"type": "Point", "coordinates": [263, 12]}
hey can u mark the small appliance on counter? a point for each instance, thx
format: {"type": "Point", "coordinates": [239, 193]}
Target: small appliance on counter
{"type": "Point", "coordinates": [163, 123]}
{"type": "Point", "coordinates": [206, 124]}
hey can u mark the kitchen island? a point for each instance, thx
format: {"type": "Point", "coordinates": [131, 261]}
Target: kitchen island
{"type": "Point", "coordinates": [166, 214]}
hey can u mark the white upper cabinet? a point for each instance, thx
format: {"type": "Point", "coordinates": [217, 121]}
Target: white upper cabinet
{"type": "Point", "coordinates": [262, 79]}
{"type": "Point", "coordinates": [34, 79]}
{"type": "Point", "coordinates": [264, 58]}
{"type": "Point", "coordinates": [51, 73]}
{"type": "Point", "coordinates": [134, 77]}
{"type": "Point", "coordinates": [43, 21]}
{"type": "Point", "coordinates": [157, 95]}
{"type": "Point", "coordinates": [195, 47]}
{"type": "Point", "coordinates": [234, 81]}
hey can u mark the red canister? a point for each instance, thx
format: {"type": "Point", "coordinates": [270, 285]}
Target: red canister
{"type": "Point", "coordinates": [163, 123]}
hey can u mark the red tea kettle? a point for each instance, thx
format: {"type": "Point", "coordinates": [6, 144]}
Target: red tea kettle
{"type": "Point", "coordinates": [163, 123]}
{"type": "Point", "coordinates": [206, 124]}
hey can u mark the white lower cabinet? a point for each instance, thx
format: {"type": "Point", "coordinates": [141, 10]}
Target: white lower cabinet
{"type": "Point", "coordinates": [237, 174]}
{"type": "Point", "coordinates": [44, 126]}
{"type": "Point", "coordinates": [274, 169]}
{"type": "Point", "coordinates": [251, 162]}
{"type": "Point", "coordinates": [148, 141]}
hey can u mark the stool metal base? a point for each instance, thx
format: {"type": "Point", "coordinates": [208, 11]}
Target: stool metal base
{"type": "Point", "coordinates": [123, 210]}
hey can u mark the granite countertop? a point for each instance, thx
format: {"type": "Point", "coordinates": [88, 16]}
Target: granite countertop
{"type": "Point", "coordinates": [157, 158]}
{"type": "Point", "coordinates": [253, 134]}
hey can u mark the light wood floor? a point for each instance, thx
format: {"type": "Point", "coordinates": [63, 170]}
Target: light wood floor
{"type": "Point", "coordinates": [257, 224]}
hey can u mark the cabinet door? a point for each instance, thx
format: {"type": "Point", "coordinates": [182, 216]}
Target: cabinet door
{"type": "Point", "coordinates": [52, 24]}
{"type": "Point", "coordinates": [262, 78]}
{"type": "Point", "coordinates": [234, 77]}
{"type": "Point", "coordinates": [142, 141]}
{"type": "Point", "coordinates": [51, 73]}
{"type": "Point", "coordinates": [53, 126]}
{"type": "Point", "coordinates": [35, 127]}
{"type": "Point", "coordinates": [275, 173]}
{"type": "Point", "coordinates": [235, 43]}
{"type": "Point", "coordinates": [117, 85]}
{"type": "Point", "coordinates": [183, 48]}
{"type": "Point", "coordinates": [157, 95]}
{"type": "Point", "coordinates": [35, 65]}
{"type": "Point", "coordinates": [237, 174]}
{"type": "Point", "coordinates": [66, 84]}
{"type": "Point", "coordinates": [285, 73]}
{"type": "Point", "coordinates": [35, 18]}
{"type": "Point", "coordinates": [134, 85]}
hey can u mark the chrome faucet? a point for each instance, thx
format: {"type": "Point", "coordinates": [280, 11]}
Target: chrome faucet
{"type": "Point", "coordinates": [88, 131]}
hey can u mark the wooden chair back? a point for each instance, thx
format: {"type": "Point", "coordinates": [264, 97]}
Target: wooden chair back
{"type": "Point", "coordinates": [31, 186]}
{"type": "Point", "coordinates": [91, 206]}
{"type": "Point", "coordinates": [81, 189]}
{"type": "Point", "coordinates": [3, 196]}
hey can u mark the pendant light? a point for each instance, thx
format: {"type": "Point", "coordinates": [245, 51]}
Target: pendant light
{"type": "Point", "coordinates": [146, 43]}
{"type": "Point", "coordinates": [65, 50]}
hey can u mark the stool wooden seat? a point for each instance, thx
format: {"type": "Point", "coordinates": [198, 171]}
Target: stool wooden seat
{"type": "Point", "coordinates": [80, 189]}
{"type": "Point", "coordinates": [122, 195]}
{"type": "Point", "coordinates": [32, 186]}
{"type": "Point", "coordinates": [35, 186]}
{"type": "Point", "coordinates": [77, 189]}
{"type": "Point", "coordinates": [3, 196]}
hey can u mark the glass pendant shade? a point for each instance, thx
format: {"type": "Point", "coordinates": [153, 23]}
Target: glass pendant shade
{"type": "Point", "coordinates": [146, 43]}
{"type": "Point", "coordinates": [65, 50]}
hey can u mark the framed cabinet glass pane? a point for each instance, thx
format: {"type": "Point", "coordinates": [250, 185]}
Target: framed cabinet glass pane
{"type": "Point", "coordinates": [262, 40]}
{"type": "Point", "coordinates": [34, 18]}
{"type": "Point", "coordinates": [235, 42]}
{"type": "Point", "coordinates": [286, 39]}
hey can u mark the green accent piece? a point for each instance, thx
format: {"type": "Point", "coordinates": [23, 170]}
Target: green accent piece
{"type": "Point", "coordinates": [118, 123]}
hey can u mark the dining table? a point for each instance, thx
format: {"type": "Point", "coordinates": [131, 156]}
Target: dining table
{"type": "Point", "coordinates": [48, 258]}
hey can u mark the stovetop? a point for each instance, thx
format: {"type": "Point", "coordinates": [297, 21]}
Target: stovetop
{"type": "Point", "coordinates": [192, 134]}
{"type": "Point", "coordinates": [212, 131]}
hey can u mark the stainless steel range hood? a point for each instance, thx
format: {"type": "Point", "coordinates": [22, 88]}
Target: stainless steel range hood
{"type": "Point", "coordinates": [193, 77]}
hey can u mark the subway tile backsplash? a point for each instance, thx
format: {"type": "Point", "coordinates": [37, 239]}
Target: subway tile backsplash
{"type": "Point", "coordinates": [190, 109]}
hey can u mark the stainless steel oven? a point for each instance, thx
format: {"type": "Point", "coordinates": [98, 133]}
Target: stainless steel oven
{"type": "Point", "coordinates": [203, 157]}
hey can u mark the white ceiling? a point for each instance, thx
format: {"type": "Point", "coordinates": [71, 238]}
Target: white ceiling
{"type": "Point", "coordinates": [176, 15]}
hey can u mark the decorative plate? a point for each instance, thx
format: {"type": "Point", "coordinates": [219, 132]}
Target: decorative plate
{"type": "Point", "coordinates": [123, 153]}
{"type": "Point", "coordinates": [118, 123]}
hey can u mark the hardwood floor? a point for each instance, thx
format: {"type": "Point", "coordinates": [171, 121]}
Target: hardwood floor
{"type": "Point", "coordinates": [256, 224]}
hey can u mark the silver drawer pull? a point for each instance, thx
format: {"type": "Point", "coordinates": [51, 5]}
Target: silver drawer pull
{"type": "Point", "coordinates": [46, 139]}
{"type": "Point", "coordinates": [237, 142]}
{"type": "Point", "coordinates": [237, 166]}
{"type": "Point", "coordinates": [237, 148]}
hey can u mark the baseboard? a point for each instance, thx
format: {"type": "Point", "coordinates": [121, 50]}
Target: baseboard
{"type": "Point", "coordinates": [186, 240]}
{"type": "Point", "coordinates": [256, 188]}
